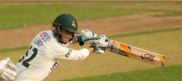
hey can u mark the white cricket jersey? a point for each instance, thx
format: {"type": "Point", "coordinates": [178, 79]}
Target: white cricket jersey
{"type": "Point", "coordinates": [42, 57]}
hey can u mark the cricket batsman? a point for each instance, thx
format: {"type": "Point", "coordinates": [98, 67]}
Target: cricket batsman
{"type": "Point", "coordinates": [48, 47]}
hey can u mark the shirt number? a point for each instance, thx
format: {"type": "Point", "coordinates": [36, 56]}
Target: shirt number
{"type": "Point", "coordinates": [25, 61]}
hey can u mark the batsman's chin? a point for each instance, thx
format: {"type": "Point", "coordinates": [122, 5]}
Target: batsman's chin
{"type": "Point", "coordinates": [65, 40]}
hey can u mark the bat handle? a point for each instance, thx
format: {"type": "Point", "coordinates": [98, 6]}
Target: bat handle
{"type": "Point", "coordinates": [95, 38]}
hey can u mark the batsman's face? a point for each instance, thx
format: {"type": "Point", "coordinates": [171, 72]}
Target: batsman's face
{"type": "Point", "coordinates": [66, 35]}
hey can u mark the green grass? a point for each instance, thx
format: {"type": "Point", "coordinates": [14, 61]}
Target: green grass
{"type": "Point", "coordinates": [166, 42]}
{"type": "Point", "coordinates": [13, 49]}
{"type": "Point", "coordinates": [145, 32]}
{"type": "Point", "coordinates": [16, 16]}
{"type": "Point", "coordinates": [170, 73]}
{"type": "Point", "coordinates": [171, 13]}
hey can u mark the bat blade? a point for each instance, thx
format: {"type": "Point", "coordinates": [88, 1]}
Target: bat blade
{"type": "Point", "coordinates": [136, 53]}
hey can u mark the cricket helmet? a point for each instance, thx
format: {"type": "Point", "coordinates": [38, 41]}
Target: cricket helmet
{"type": "Point", "coordinates": [65, 21]}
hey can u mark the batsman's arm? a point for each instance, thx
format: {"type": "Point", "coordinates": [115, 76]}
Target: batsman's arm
{"type": "Point", "coordinates": [91, 49]}
{"type": "Point", "coordinates": [74, 41]}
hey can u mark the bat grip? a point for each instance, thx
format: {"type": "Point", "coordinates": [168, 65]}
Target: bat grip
{"type": "Point", "coordinates": [95, 38]}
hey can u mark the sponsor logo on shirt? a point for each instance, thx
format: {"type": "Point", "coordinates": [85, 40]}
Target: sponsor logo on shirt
{"type": "Point", "coordinates": [54, 66]}
{"type": "Point", "coordinates": [45, 36]}
{"type": "Point", "coordinates": [38, 42]}
{"type": "Point", "coordinates": [69, 52]}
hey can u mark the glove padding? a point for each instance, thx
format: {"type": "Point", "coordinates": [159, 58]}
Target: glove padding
{"type": "Point", "coordinates": [101, 44]}
{"type": "Point", "coordinates": [7, 70]}
{"type": "Point", "coordinates": [88, 34]}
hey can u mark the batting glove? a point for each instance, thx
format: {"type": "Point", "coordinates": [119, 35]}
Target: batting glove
{"type": "Point", "coordinates": [86, 34]}
{"type": "Point", "coordinates": [101, 44]}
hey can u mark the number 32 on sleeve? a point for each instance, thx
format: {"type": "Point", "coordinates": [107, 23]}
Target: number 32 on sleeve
{"type": "Point", "coordinates": [25, 61]}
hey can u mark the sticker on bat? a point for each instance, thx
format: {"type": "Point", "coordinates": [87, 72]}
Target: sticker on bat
{"type": "Point", "coordinates": [110, 47]}
{"type": "Point", "coordinates": [121, 52]}
{"type": "Point", "coordinates": [147, 56]}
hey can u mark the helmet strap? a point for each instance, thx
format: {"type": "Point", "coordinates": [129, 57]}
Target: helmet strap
{"type": "Point", "coordinates": [57, 33]}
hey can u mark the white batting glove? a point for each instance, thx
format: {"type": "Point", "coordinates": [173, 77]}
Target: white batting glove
{"type": "Point", "coordinates": [88, 34]}
{"type": "Point", "coordinates": [101, 44]}
{"type": "Point", "coordinates": [7, 70]}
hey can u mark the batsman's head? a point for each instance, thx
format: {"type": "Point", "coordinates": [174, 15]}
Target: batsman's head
{"type": "Point", "coordinates": [64, 27]}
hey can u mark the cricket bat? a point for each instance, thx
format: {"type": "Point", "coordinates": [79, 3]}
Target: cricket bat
{"type": "Point", "coordinates": [135, 53]}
